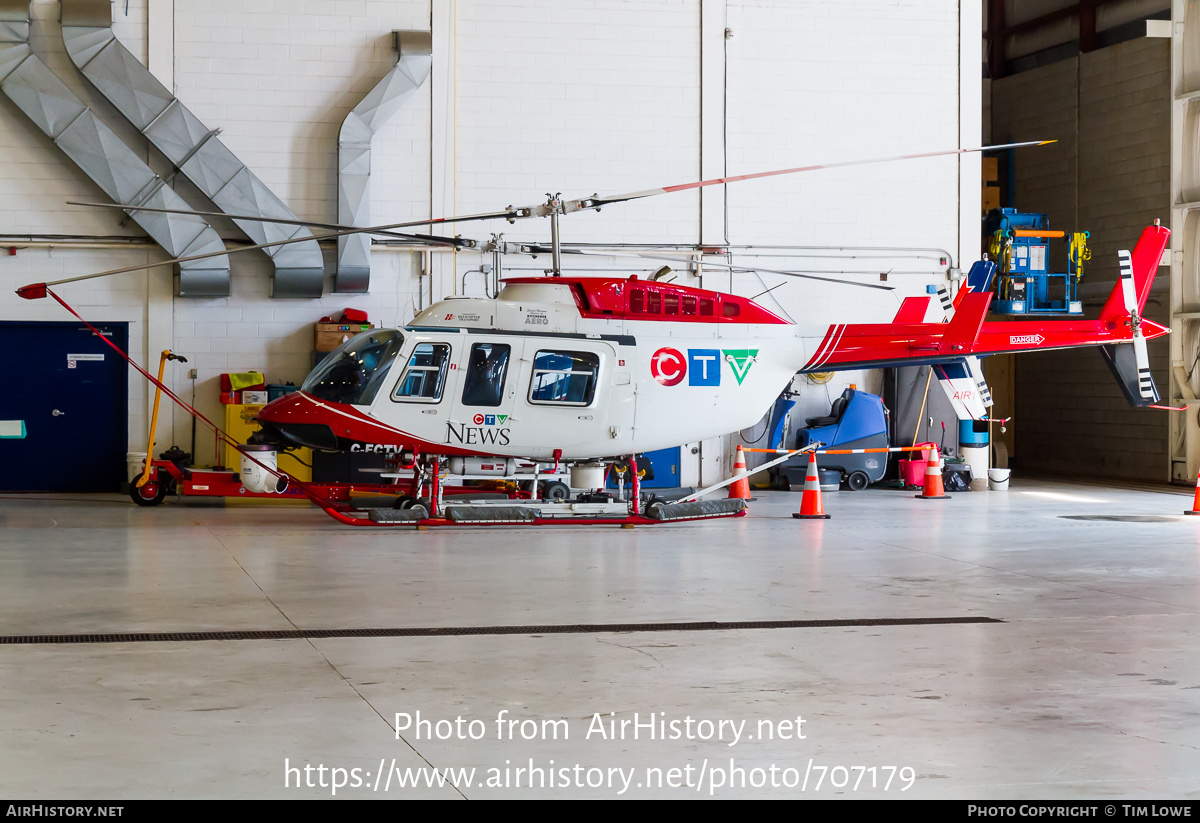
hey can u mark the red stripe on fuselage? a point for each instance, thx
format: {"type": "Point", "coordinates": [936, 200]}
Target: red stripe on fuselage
{"type": "Point", "coordinates": [812, 361]}
{"type": "Point", "coordinates": [348, 423]}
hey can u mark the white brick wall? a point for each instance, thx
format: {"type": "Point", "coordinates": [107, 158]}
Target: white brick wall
{"type": "Point", "coordinates": [574, 96]}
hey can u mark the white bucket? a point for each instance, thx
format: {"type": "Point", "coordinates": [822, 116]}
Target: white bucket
{"type": "Point", "coordinates": [977, 458]}
{"type": "Point", "coordinates": [589, 476]}
{"type": "Point", "coordinates": [135, 464]}
{"type": "Point", "coordinates": [998, 479]}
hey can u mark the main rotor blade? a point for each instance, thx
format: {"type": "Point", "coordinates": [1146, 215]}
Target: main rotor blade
{"type": "Point", "coordinates": [512, 213]}
{"type": "Point", "coordinates": [597, 201]}
{"type": "Point", "coordinates": [449, 241]}
{"type": "Point", "coordinates": [715, 264]}
{"type": "Point", "coordinates": [33, 292]}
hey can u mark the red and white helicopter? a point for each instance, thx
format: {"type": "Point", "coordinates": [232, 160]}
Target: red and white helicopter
{"type": "Point", "coordinates": [589, 372]}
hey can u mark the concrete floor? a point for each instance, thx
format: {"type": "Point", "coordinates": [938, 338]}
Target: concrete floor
{"type": "Point", "coordinates": [1089, 688]}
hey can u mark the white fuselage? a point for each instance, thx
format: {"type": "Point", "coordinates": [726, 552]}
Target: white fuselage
{"type": "Point", "coordinates": [656, 384]}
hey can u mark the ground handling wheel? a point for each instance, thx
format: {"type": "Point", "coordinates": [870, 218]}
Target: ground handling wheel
{"type": "Point", "coordinates": [554, 491]}
{"type": "Point", "coordinates": [152, 492]}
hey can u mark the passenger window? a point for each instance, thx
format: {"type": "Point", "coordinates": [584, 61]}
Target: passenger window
{"type": "Point", "coordinates": [689, 305]}
{"type": "Point", "coordinates": [637, 301]}
{"type": "Point", "coordinates": [731, 309]}
{"type": "Point", "coordinates": [484, 383]}
{"type": "Point", "coordinates": [564, 377]}
{"type": "Point", "coordinates": [654, 303]}
{"type": "Point", "coordinates": [671, 304]}
{"type": "Point", "coordinates": [706, 307]}
{"type": "Point", "coordinates": [425, 374]}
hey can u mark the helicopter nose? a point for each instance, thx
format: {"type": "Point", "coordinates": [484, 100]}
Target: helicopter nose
{"type": "Point", "coordinates": [298, 419]}
{"type": "Point", "coordinates": [285, 407]}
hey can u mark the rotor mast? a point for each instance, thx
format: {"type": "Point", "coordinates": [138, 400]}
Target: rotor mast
{"type": "Point", "coordinates": [554, 206]}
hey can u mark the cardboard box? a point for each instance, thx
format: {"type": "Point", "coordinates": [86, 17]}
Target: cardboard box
{"type": "Point", "coordinates": [991, 198]}
{"type": "Point", "coordinates": [254, 397]}
{"type": "Point", "coordinates": [991, 169]}
{"type": "Point", "coordinates": [331, 335]}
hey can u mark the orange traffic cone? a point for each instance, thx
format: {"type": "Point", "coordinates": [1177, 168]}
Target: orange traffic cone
{"type": "Point", "coordinates": [1196, 501]}
{"type": "Point", "coordinates": [740, 489]}
{"type": "Point", "coordinates": [933, 490]}
{"type": "Point", "coordinates": [810, 504]}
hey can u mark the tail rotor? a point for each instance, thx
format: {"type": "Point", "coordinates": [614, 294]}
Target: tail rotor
{"type": "Point", "coordinates": [1145, 382]}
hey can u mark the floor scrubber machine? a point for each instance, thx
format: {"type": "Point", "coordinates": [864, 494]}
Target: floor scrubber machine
{"type": "Point", "coordinates": [857, 420]}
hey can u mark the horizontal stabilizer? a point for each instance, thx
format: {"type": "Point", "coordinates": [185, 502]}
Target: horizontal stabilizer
{"type": "Point", "coordinates": [963, 330]}
{"type": "Point", "coordinates": [912, 310]}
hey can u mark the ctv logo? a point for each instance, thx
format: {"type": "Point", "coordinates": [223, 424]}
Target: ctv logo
{"type": "Point", "coordinates": [702, 367]}
{"type": "Point", "coordinates": [668, 366]}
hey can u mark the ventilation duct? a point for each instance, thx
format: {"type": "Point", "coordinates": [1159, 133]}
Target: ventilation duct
{"type": "Point", "coordinates": [84, 138]}
{"type": "Point", "coordinates": [414, 56]}
{"type": "Point", "coordinates": [189, 144]}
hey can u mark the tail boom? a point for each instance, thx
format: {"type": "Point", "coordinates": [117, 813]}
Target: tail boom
{"type": "Point", "coordinates": [870, 345]}
{"type": "Point", "coordinates": [899, 343]}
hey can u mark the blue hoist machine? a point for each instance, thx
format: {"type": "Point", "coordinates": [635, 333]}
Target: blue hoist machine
{"type": "Point", "coordinates": [1020, 244]}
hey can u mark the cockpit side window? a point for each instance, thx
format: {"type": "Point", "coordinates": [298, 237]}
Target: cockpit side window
{"type": "Point", "coordinates": [484, 382]}
{"type": "Point", "coordinates": [425, 376]}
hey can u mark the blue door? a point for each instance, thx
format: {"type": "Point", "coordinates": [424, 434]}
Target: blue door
{"type": "Point", "coordinates": [72, 392]}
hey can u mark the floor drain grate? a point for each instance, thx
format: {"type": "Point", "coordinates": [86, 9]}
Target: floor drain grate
{"type": "Point", "coordinates": [1124, 518]}
{"type": "Point", "coordinates": [463, 631]}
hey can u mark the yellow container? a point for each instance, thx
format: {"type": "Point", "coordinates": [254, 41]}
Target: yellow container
{"type": "Point", "coordinates": [242, 421]}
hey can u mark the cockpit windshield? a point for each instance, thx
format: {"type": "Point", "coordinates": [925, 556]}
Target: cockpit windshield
{"type": "Point", "coordinates": [354, 372]}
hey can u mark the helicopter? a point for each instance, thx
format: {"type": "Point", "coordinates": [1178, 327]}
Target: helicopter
{"type": "Point", "coordinates": [590, 372]}
{"type": "Point", "coordinates": [588, 368]}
